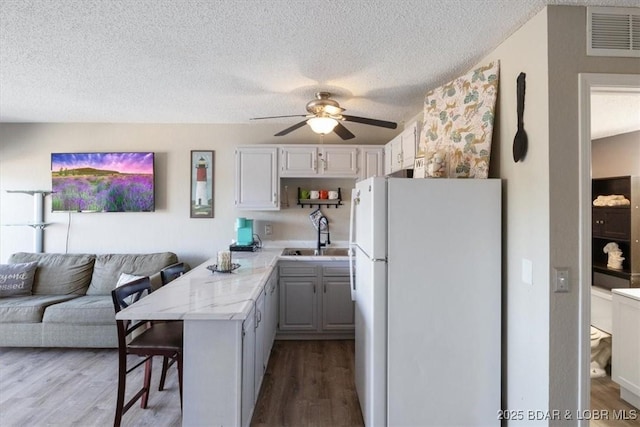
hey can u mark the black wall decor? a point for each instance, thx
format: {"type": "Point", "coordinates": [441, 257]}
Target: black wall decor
{"type": "Point", "coordinates": [520, 141]}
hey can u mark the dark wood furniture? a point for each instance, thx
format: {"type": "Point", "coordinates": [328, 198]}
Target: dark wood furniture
{"type": "Point", "coordinates": [168, 274]}
{"type": "Point", "coordinates": [145, 339]}
{"type": "Point", "coordinates": [619, 224]}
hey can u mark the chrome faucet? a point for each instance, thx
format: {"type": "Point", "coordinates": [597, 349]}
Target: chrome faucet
{"type": "Point", "coordinates": [327, 242]}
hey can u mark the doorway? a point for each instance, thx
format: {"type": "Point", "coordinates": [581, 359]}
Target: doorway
{"type": "Point", "coordinates": [588, 84]}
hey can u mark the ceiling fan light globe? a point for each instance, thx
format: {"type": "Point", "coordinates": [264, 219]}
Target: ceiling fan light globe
{"type": "Point", "coordinates": [322, 125]}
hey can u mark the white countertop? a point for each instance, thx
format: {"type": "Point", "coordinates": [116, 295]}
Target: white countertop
{"type": "Point", "coordinates": [633, 293]}
{"type": "Point", "coordinates": [201, 294]}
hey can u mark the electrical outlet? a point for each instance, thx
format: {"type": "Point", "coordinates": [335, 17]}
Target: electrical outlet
{"type": "Point", "coordinates": [267, 229]}
{"type": "Point", "coordinates": [561, 279]}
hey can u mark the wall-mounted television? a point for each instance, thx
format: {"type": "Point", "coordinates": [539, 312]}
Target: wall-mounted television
{"type": "Point", "coordinates": [102, 182]}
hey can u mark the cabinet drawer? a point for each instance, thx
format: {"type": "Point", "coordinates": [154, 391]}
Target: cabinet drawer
{"type": "Point", "coordinates": [335, 270]}
{"type": "Point", "coordinates": [297, 269]}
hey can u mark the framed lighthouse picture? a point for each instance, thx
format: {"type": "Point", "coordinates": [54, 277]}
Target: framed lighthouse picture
{"type": "Point", "coordinates": [201, 184]}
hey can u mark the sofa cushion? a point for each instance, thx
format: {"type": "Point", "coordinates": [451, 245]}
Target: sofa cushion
{"type": "Point", "coordinates": [28, 309]}
{"type": "Point", "coordinates": [108, 268]}
{"type": "Point", "coordinates": [17, 279]}
{"type": "Point", "coordinates": [58, 274]}
{"type": "Point", "coordinates": [84, 310]}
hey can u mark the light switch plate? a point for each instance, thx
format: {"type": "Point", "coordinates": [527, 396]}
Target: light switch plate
{"type": "Point", "coordinates": [527, 271]}
{"type": "Point", "coordinates": [561, 275]}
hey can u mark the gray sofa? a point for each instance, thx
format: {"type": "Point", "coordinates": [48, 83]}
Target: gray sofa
{"type": "Point", "coordinates": [70, 303]}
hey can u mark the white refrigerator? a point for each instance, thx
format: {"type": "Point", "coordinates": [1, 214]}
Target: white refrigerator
{"type": "Point", "coordinates": [426, 256]}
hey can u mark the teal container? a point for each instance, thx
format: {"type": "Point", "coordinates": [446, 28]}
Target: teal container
{"type": "Point", "coordinates": [245, 232]}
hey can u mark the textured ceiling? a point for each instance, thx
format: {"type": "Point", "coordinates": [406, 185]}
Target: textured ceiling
{"type": "Point", "coordinates": [188, 61]}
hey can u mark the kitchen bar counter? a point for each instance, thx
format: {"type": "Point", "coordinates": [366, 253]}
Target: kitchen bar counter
{"type": "Point", "coordinates": [201, 294]}
{"type": "Point", "coordinates": [224, 333]}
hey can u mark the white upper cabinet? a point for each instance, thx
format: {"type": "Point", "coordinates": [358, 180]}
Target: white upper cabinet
{"type": "Point", "coordinates": [257, 182]}
{"type": "Point", "coordinates": [388, 159]}
{"type": "Point", "coordinates": [372, 161]}
{"type": "Point", "coordinates": [409, 144]}
{"type": "Point", "coordinates": [339, 161]}
{"type": "Point", "coordinates": [400, 152]}
{"type": "Point", "coordinates": [298, 161]}
{"type": "Point", "coordinates": [319, 161]}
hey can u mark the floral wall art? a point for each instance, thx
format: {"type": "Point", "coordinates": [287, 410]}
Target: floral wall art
{"type": "Point", "coordinates": [455, 141]}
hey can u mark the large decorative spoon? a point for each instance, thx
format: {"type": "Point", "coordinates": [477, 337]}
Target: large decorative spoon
{"type": "Point", "coordinates": [520, 140]}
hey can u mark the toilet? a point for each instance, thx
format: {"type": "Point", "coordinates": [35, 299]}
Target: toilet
{"type": "Point", "coordinates": [600, 352]}
{"type": "Point", "coordinates": [601, 326]}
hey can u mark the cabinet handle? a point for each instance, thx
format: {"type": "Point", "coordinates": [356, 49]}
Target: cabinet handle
{"type": "Point", "coordinates": [325, 288]}
{"type": "Point", "coordinates": [314, 289]}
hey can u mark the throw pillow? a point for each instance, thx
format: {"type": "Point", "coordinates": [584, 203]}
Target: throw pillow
{"type": "Point", "coordinates": [17, 279]}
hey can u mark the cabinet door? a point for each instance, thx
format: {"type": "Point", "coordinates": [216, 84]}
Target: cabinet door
{"type": "Point", "coordinates": [617, 223]}
{"type": "Point", "coordinates": [260, 343]}
{"type": "Point", "coordinates": [257, 183]}
{"type": "Point", "coordinates": [299, 161]}
{"type": "Point", "coordinates": [248, 368]}
{"type": "Point", "coordinates": [337, 307]}
{"type": "Point", "coordinates": [271, 314]}
{"type": "Point", "coordinates": [388, 159]}
{"type": "Point", "coordinates": [372, 162]}
{"type": "Point", "coordinates": [409, 143]}
{"type": "Point", "coordinates": [339, 162]}
{"type": "Point", "coordinates": [298, 298]}
{"type": "Point", "coordinates": [396, 153]}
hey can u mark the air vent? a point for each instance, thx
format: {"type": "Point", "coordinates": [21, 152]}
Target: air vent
{"type": "Point", "coordinates": [613, 31]}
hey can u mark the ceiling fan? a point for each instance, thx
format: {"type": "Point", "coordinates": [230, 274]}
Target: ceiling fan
{"type": "Point", "coordinates": [325, 115]}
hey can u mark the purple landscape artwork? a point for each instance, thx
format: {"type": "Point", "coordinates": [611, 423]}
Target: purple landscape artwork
{"type": "Point", "coordinates": [102, 182]}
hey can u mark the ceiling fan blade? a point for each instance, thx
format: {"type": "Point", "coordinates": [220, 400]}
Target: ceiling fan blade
{"type": "Point", "coordinates": [292, 128]}
{"type": "Point", "coordinates": [276, 117]}
{"type": "Point", "coordinates": [372, 122]}
{"type": "Point", "coordinates": [343, 132]}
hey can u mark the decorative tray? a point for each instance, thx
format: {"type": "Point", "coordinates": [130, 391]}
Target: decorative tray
{"type": "Point", "coordinates": [214, 268]}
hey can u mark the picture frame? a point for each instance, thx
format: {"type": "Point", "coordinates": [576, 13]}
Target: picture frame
{"type": "Point", "coordinates": [202, 183]}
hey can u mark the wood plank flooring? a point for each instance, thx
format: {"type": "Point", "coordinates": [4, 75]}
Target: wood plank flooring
{"type": "Point", "coordinates": [606, 402]}
{"type": "Point", "coordinates": [307, 383]}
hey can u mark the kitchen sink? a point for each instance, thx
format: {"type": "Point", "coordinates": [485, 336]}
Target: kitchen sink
{"type": "Point", "coordinates": [311, 252]}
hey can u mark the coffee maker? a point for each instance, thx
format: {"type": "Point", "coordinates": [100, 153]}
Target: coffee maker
{"type": "Point", "coordinates": [244, 236]}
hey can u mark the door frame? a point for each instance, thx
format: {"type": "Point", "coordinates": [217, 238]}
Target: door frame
{"type": "Point", "coordinates": [587, 83]}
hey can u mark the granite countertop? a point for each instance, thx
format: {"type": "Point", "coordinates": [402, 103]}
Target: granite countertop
{"type": "Point", "coordinates": [201, 294]}
{"type": "Point", "coordinates": [633, 293]}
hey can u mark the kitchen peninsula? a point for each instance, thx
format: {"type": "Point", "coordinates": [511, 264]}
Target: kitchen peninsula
{"type": "Point", "coordinates": [226, 335]}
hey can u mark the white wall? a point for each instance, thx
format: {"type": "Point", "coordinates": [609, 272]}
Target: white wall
{"type": "Point", "coordinates": [617, 155]}
{"type": "Point", "coordinates": [525, 218]}
{"type": "Point", "coordinates": [541, 206]}
{"type": "Point", "coordinates": [25, 164]}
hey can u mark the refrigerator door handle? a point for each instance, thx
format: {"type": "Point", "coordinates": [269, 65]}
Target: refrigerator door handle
{"type": "Point", "coordinates": [355, 198]}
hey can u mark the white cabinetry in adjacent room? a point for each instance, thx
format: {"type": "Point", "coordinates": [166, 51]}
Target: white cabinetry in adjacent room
{"type": "Point", "coordinates": [313, 161]}
{"type": "Point", "coordinates": [625, 356]}
{"type": "Point", "coordinates": [315, 299]}
{"type": "Point", "coordinates": [257, 182]}
{"type": "Point", "coordinates": [372, 159]}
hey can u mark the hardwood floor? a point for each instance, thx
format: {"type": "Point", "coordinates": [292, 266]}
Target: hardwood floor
{"type": "Point", "coordinates": [307, 383]}
{"type": "Point", "coordinates": [605, 401]}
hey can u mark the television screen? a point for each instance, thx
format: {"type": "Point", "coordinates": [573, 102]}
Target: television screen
{"type": "Point", "coordinates": [102, 182]}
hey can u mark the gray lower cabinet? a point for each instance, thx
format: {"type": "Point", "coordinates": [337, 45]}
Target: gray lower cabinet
{"type": "Point", "coordinates": [248, 391]}
{"type": "Point", "coordinates": [315, 298]}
